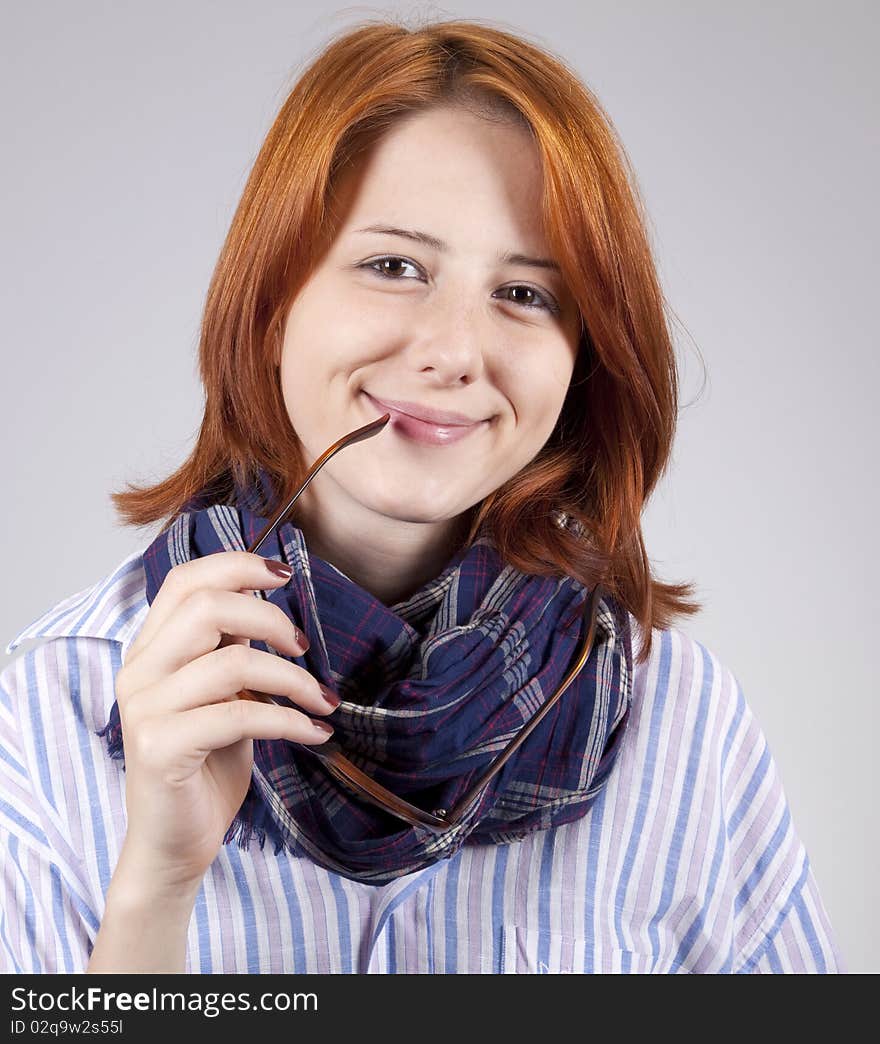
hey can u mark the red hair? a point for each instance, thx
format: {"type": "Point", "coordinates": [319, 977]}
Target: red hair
{"type": "Point", "coordinates": [614, 435]}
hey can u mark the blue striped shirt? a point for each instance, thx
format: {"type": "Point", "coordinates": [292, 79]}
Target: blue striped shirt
{"type": "Point", "coordinates": [687, 862]}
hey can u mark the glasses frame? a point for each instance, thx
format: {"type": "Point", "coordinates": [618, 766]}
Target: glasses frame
{"type": "Point", "coordinates": [329, 752]}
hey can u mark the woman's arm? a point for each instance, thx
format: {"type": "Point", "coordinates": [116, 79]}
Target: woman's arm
{"type": "Point", "coordinates": [802, 942]}
{"type": "Point", "coordinates": [780, 923]}
{"type": "Point", "coordinates": [48, 907]}
{"type": "Point", "coordinates": [50, 911]}
{"type": "Point", "coordinates": [144, 926]}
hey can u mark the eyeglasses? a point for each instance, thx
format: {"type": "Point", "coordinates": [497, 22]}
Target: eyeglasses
{"type": "Point", "coordinates": [349, 774]}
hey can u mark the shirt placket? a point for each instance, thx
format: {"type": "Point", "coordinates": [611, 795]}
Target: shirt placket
{"type": "Point", "coordinates": [403, 908]}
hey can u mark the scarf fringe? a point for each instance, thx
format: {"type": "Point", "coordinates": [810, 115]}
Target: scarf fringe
{"type": "Point", "coordinates": [254, 822]}
{"type": "Point", "coordinates": [112, 735]}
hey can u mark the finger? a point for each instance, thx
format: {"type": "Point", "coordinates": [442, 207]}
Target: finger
{"type": "Point", "coordinates": [197, 626]}
{"type": "Point", "coordinates": [223, 570]}
{"type": "Point", "coordinates": [219, 725]}
{"type": "Point", "coordinates": [231, 639]}
{"type": "Point", "coordinates": [222, 674]}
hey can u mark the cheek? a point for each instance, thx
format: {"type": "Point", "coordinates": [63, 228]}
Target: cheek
{"type": "Point", "coordinates": [538, 388]}
{"type": "Point", "coordinates": [322, 338]}
{"type": "Point", "coordinates": [312, 350]}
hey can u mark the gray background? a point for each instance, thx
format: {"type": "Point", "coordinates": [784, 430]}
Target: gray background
{"type": "Point", "coordinates": [128, 132]}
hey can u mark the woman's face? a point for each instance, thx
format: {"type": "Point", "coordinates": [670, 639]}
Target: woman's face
{"type": "Point", "coordinates": [435, 294]}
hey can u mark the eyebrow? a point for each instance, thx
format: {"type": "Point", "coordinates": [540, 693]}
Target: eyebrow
{"type": "Point", "coordinates": [509, 258]}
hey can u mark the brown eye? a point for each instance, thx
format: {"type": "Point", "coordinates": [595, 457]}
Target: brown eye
{"type": "Point", "coordinates": [529, 298]}
{"type": "Point", "coordinates": [391, 267]}
{"type": "Point", "coordinates": [522, 295]}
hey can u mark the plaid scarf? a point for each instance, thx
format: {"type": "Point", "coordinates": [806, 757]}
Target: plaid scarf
{"type": "Point", "coordinates": [432, 688]}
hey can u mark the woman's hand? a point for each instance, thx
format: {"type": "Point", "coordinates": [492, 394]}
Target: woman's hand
{"type": "Point", "coordinates": [188, 738]}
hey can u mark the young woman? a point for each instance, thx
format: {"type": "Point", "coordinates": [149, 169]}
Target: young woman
{"type": "Point", "coordinates": [433, 715]}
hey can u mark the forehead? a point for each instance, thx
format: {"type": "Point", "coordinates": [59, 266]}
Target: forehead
{"type": "Point", "coordinates": [453, 172]}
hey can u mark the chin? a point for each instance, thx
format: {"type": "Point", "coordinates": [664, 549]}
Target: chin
{"type": "Point", "coordinates": [409, 508]}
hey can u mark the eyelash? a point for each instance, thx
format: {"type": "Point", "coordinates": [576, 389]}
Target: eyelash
{"type": "Point", "coordinates": [547, 304]}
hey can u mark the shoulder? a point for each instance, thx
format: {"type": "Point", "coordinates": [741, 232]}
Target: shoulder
{"type": "Point", "coordinates": [704, 775]}
{"type": "Point", "coordinates": [112, 609]}
{"type": "Point", "coordinates": [74, 648]}
{"type": "Point", "coordinates": [56, 694]}
{"type": "Point", "coordinates": [62, 798]}
{"type": "Point", "coordinates": [695, 732]}
{"type": "Point", "coordinates": [684, 692]}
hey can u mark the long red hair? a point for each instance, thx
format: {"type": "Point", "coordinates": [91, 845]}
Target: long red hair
{"type": "Point", "coordinates": [615, 432]}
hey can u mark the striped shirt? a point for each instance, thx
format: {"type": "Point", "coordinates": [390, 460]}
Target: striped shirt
{"type": "Point", "coordinates": [688, 861]}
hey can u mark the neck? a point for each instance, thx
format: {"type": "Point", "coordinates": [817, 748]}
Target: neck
{"type": "Point", "coordinates": [389, 557]}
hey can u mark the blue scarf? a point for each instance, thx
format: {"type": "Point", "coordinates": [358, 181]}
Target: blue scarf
{"type": "Point", "coordinates": [432, 688]}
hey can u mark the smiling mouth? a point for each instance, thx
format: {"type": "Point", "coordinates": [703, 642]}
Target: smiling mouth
{"type": "Point", "coordinates": [429, 433]}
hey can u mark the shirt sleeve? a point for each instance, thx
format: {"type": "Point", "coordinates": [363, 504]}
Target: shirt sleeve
{"type": "Point", "coordinates": [780, 922]}
{"type": "Point", "coordinates": [45, 917]}
{"type": "Point", "coordinates": [802, 942]}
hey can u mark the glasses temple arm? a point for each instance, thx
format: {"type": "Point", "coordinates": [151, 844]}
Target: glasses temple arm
{"type": "Point", "coordinates": [358, 435]}
{"type": "Point", "coordinates": [465, 800]}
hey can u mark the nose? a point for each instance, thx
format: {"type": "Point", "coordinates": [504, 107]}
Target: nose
{"type": "Point", "coordinates": [449, 341]}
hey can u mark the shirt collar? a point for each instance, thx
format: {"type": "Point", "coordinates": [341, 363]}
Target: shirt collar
{"type": "Point", "coordinates": [113, 609]}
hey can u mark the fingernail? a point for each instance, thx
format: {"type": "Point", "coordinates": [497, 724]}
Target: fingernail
{"type": "Point", "coordinates": [278, 568]}
{"type": "Point", "coordinates": [323, 728]}
{"type": "Point", "coordinates": [330, 696]}
{"type": "Point", "coordinates": [301, 639]}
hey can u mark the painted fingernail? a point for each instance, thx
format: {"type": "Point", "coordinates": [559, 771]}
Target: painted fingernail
{"type": "Point", "coordinates": [278, 568]}
{"type": "Point", "coordinates": [301, 639]}
{"type": "Point", "coordinates": [323, 728]}
{"type": "Point", "coordinates": [329, 696]}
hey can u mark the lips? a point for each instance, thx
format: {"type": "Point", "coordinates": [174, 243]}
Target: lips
{"type": "Point", "coordinates": [424, 423]}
